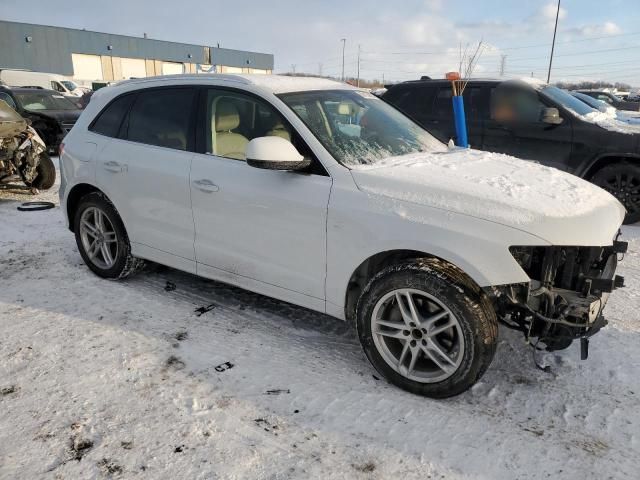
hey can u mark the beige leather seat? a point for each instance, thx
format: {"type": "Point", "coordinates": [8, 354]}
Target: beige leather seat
{"type": "Point", "coordinates": [227, 143]}
{"type": "Point", "coordinates": [279, 130]}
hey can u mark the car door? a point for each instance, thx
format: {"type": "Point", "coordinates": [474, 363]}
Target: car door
{"type": "Point", "coordinates": [515, 127]}
{"type": "Point", "coordinates": [261, 229]}
{"type": "Point", "coordinates": [145, 172]}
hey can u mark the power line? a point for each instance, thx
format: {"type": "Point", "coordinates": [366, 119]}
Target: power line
{"type": "Point", "coordinates": [453, 52]}
{"type": "Point", "coordinates": [575, 54]}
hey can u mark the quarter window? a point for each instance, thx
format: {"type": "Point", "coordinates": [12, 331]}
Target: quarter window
{"type": "Point", "coordinates": [109, 121]}
{"type": "Point", "coordinates": [162, 118]}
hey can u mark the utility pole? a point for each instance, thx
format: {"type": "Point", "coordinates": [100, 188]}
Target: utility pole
{"type": "Point", "coordinates": [320, 69]}
{"type": "Point", "coordinates": [344, 43]}
{"type": "Point", "coordinates": [553, 44]}
{"type": "Point", "coordinates": [358, 80]}
{"type": "Point", "coordinates": [503, 63]}
{"type": "Point", "coordinates": [293, 68]}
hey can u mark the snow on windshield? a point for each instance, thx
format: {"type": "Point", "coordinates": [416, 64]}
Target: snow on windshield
{"type": "Point", "coordinates": [358, 128]}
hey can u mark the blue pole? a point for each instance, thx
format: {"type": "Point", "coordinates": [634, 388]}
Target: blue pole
{"type": "Point", "coordinates": [460, 121]}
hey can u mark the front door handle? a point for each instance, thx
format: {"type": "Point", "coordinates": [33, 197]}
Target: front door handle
{"type": "Point", "coordinates": [115, 167]}
{"type": "Point", "coordinates": [206, 185]}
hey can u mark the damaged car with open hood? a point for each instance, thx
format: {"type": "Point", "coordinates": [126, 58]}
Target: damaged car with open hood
{"type": "Point", "coordinates": [23, 154]}
{"type": "Point", "coordinates": [320, 194]}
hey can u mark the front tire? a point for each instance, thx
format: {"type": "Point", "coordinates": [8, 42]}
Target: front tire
{"type": "Point", "coordinates": [622, 180]}
{"type": "Point", "coordinates": [424, 331]}
{"type": "Point", "coordinates": [102, 239]}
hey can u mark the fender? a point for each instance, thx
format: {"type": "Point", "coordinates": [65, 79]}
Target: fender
{"type": "Point", "coordinates": [601, 160]}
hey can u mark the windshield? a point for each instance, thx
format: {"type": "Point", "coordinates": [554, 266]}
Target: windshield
{"type": "Point", "coordinates": [567, 100]}
{"type": "Point", "coordinates": [69, 84]}
{"type": "Point", "coordinates": [592, 102]}
{"type": "Point", "coordinates": [44, 101]}
{"type": "Point", "coordinates": [358, 128]}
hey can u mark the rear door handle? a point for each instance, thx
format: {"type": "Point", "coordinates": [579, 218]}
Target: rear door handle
{"type": "Point", "coordinates": [115, 166]}
{"type": "Point", "coordinates": [206, 185]}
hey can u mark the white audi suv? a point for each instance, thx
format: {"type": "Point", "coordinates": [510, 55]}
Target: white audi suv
{"type": "Point", "coordinates": [322, 195]}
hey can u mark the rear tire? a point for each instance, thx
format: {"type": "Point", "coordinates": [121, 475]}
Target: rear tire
{"type": "Point", "coordinates": [453, 341]}
{"type": "Point", "coordinates": [46, 173]}
{"type": "Point", "coordinates": [622, 180]}
{"type": "Point", "coordinates": [102, 239]}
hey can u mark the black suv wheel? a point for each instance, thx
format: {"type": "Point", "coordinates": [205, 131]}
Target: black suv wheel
{"type": "Point", "coordinates": [622, 180]}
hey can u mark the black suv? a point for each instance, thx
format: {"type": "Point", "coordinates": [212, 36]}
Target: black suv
{"type": "Point", "coordinates": [533, 121]}
{"type": "Point", "coordinates": [51, 114]}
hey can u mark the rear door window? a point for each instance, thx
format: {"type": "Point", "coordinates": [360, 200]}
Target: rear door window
{"type": "Point", "coordinates": [442, 104]}
{"type": "Point", "coordinates": [163, 117]}
{"type": "Point", "coordinates": [414, 101]}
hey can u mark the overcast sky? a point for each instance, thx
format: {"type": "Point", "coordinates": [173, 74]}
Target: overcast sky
{"type": "Point", "coordinates": [400, 39]}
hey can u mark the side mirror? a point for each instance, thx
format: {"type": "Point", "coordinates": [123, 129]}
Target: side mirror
{"type": "Point", "coordinates": [274, 153]}
{"type": "Point", "coordinates": [551, 116]}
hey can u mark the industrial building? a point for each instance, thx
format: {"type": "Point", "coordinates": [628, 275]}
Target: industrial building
{"type": "Point", "coordinates": [87, 57]}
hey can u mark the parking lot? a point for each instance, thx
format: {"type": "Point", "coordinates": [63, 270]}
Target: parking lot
{"type": "Point", "coordinates": [167, 375]}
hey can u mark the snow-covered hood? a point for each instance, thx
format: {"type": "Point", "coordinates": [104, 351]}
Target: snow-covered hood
{"type": "Point", "coordinates": [553, 205]}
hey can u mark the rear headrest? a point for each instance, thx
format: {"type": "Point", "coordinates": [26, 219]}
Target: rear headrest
{"type": "Point", "coordinates": [227, 116]}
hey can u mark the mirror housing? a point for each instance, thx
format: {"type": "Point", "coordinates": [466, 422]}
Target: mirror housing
{"type": "Point", "coordinates": [551, 116]}
{"type": "Point", "coordinates": [274, 153]}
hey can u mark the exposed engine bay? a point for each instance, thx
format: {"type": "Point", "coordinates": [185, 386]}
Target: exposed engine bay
{"type": "Point", "coordinates": [568, 291]}
{"type": "Point", "coordinates": [22, 152]}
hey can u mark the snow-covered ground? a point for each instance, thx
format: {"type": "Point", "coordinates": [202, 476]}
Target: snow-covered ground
{"type": "Point", "coordinates": [138, 379]}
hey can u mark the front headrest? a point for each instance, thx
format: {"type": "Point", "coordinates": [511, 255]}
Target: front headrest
{"type": "Point", "coordinates": [227, 116]}
{"type": "Point", "coordinates": [344, 108]}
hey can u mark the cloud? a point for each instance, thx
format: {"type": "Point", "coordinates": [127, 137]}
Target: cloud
{"type": "Point", "coordinates": [549, 11]}
{"type": "Point", "coordinates": [434, 4]}
{"type": "Point", "coordinates": [603, 29]}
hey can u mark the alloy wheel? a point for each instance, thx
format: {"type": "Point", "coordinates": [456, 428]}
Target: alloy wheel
{"type": "Point", "coordinates": [99, 238]}
{"type": "Point", "coordinates": [417, 335]}
{"type": "Point", "coordinates": [626, 188]}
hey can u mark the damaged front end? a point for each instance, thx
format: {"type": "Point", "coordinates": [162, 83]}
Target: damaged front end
{"type": "Point", "coordinates": [20, 147]}
{"type": "Point", "coordinates": [568, 291]}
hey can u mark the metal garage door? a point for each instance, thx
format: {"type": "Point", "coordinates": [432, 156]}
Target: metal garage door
{"type": "Point", "coordinates": [133, 68]}
{"type": "Point", "coordinates": [169, 68]}
{"type": "Point", "coordinates": [86, 67]}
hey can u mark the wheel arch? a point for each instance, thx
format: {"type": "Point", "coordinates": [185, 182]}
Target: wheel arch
{"type": "Point", "coordinates": [376, 262]}
{"type": "Point", "coordinates": [74, 196]}
{"type": "Point", "coordinates": [607, 159]}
